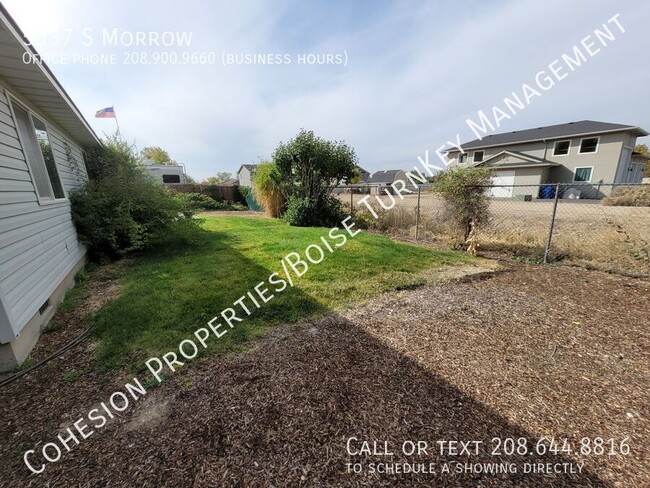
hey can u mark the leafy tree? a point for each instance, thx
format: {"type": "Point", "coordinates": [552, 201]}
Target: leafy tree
{"type": "Point", "coordinates": [189, 180]}
{"type": "Point", "coordinates": [309, 168]}
{"type": "Point", "coordinates": [642, 148]}
{"type": "Point", "coordinates": [218, 178]}
{"type": "Point", "coordinates": [356, 178]}
{"type": "Point", "coordinates": [157, 154]}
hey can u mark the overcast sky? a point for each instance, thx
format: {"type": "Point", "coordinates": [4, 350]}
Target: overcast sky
{"type": "Point", "coordinates": [413, 72]}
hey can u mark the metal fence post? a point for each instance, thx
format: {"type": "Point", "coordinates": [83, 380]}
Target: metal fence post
{"type": "Point", "coordinates": [550, 230]}
{"type": "Point", "coordinates": [417, 217]}
{"type": "Point", "coordinates": [351, 201]}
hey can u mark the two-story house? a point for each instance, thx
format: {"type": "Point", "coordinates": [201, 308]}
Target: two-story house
{"type": "Point", "coordinates": [579, 153]}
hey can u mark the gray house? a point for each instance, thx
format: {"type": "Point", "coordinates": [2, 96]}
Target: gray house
{"type": "Point", "coordinates": [585, 152]}
{"type": "Point", "coordinates": [381, 180]}
{"type": "Point", "coordinates": [42, 137]}
{"type": "Point", "coordinates": [245, 174]}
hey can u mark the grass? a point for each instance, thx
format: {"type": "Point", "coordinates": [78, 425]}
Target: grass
{"type": "Point", "coordinates": [168, 294]}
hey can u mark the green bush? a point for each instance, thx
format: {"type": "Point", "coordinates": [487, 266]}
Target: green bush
{"type": "Point", "coordinates": [304, 212]}
{"type": "Point", "coordinates": [198, 201]}
{"type": "Point", "coordinates": [123, 210]}
{"type": "Point", "coordinates": [465, 196]}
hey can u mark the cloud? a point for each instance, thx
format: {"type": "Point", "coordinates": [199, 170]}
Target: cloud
{"type": "Point", "coordinates": [415, 72]}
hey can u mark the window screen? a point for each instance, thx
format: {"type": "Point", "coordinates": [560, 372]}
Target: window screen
{"type": "Point", "coordinates": [583, 174]}
{"type": "Point", "coordinates": [33, 153]}
{"type": "Point", "coordinates": [561, 148]}
{"type": "Point", "coordinates": [589, 145]}
{"type": "Point", "coordinates": [171, 178]}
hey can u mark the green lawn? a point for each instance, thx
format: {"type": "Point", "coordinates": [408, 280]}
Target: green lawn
{"type": "Point", "coordinates": [167, 295]}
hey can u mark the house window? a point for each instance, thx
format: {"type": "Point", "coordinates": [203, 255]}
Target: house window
{"type": "Point", "coordinates": [561, 148]}
{"type": "Point", "coordinates": [463, 158]}
{"type": "Point", "coordinates": [38, 151]}
{"type": "Point", "coordinates": [171, 178]}
{"type": "Point", "coordinates": [478, 156]}
{"type": "Point", "coordinates": [583, 174]}
{"type": "Point", "coordinates": [589, 145]}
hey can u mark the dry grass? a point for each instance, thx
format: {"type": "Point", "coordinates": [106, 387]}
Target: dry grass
{"type": "Point", "coordinates": [611, 237]}
{"type": "Point", "coordinates": [629, 196]}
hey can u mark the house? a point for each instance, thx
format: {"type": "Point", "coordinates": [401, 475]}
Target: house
{"type": "Point", "coordinates": [245, 174]}
{"type": "Point", "coordinates": [581, 153]}
{"type": "Point", "coordinates": [364, 175]}
{"type": "Point", "coordinates": [166, 173]}
{"type": "Point", "coordinates": [381, 180]}
{"type": "Point", "coordinates": [230, 182]}
{"type": "Point", "coordinates": [42, 140]}
{"type": "Point", "coordinates": [637, 167]}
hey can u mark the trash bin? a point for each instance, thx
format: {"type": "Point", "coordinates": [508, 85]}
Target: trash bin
{"type": "Point", "coordinates": [548, 191]}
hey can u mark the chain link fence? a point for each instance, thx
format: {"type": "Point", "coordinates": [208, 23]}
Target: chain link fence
{"type": "Point", "coordinates": [602, 225]}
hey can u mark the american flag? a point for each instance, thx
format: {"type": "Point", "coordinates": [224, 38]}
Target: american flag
{"type": "Point", "coordinates": [105, 113]}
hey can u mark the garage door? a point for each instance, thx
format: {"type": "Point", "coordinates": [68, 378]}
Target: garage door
{"type": "Point", "coordinates": [503, 182]}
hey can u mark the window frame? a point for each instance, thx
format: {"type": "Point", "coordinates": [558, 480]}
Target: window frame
{"type": "Point", "coordinates": [580, 151]}
{"type": "Point", "coordinates": [568, 151]}
{"type": "Point", "coordinates": [41, 200]}
{"type": "Point", "coordinates": [482, 156]}
{"type": "Point", "coordinates": [172, 182]}
{"type": "Point", "coordinates": [591, 174]}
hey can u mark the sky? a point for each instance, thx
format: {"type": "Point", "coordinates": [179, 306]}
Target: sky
{"type": "Point", "coordinates": [391, 79]}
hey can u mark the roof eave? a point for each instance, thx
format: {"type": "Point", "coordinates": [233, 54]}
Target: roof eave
{"type": "Point", "coordinates": [638, 131]}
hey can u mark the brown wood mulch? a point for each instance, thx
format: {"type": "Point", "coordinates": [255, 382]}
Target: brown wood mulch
{"type": "Point", "coordinates": [532, 351]}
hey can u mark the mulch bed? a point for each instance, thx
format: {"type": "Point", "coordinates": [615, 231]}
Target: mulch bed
{"type": "Point", "coordinates": [530, 351]}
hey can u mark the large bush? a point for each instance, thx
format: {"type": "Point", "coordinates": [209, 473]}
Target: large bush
{"type": "Point", "coordinates": [121, 209]}
{"type": "Point", "coordinates": [465, 196]}
{"type": "Point", "coordinates": [303, 212]}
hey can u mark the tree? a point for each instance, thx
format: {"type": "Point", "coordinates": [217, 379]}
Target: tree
{"type": "Point", "coordinates": [310, 168]}
{"type": "Point", "coordinates": [189, 180]}
{"type": "Point", "coordinates": [218, 178]}
{"type": "Point", "coordinates": [642, 148]}
{"type": "Point", "coordinates": [157, 154]}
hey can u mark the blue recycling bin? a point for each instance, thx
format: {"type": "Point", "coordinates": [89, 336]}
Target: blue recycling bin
{"type": "Point", "coordinates": [548, 191]}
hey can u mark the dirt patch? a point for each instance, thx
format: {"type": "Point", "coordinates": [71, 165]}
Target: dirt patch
{"type": "Point", "coordinates": [532, 351]}
{"type": "Point", "coordinates": [152, 412]}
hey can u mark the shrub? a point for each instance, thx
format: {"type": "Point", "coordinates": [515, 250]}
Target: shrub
{"type": "Point", "coordinates": [629, 196]}
{"type": "Point", "coordinates": [304, 212]}
{"type": "Point", "coordinates": [267, 191]}
{"type": "Point", "coordinates": [198, 201]}
{"type": "Point", "coordinates": [465, 196]}
{"type": "Point", "coordinates": [123, 210]}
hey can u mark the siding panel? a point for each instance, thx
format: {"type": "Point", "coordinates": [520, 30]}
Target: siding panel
{"type": "Point", "coordinates": [38, 243]}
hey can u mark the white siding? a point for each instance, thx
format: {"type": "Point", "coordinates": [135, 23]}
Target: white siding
{"type": "Point", "coordinates": [38, 243]}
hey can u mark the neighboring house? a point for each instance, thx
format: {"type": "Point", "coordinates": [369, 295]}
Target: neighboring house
{"type": "Point", "coordinates": [245, 174]}
{"type": "Point", "coordinates": [383, 179]}
{"type": "Point", "coordinates": [365, 175]}
{"type": "Point", "coordinates": [169, 174]}
{"type": "Point", "coordinates": [42, 137]}
{"type": "Point", "coordinates": [580, 153]}
{"type": "Point", "coordinates": [230, 182]}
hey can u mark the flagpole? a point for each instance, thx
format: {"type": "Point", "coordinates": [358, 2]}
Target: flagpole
{"type": "Point", "coordinates": [116, 123]}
